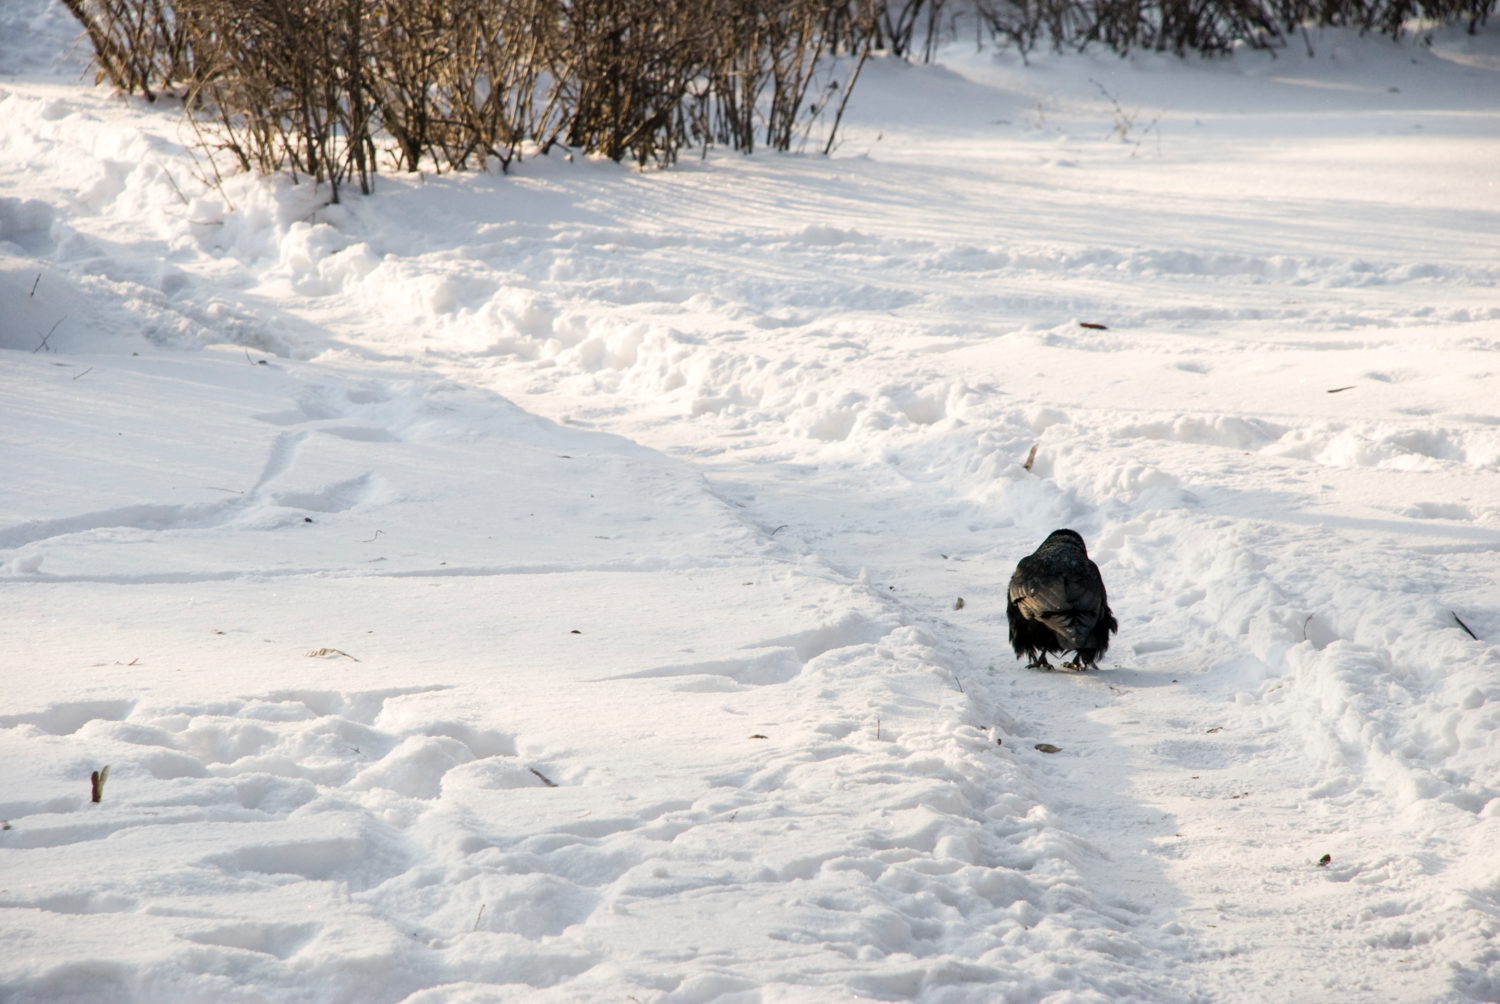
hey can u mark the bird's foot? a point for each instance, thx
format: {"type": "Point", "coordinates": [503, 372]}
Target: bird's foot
{"type": "Point", "coordinates": [1040, 662]}
{"type": "Point", "coordinates": [1075, 665]}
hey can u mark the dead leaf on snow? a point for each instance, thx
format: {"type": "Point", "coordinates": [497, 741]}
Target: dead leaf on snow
{"type": "Point", "coordinates": [327, 653]}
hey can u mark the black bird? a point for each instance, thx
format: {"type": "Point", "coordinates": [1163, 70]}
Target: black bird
{"type": "Point", "coordinates": [1058, 603]}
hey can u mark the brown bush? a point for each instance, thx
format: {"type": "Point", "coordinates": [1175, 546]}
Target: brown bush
{"type": "Point", "coordinates": [140, 46]}
{"type": "Point", "coordinates": [320, 87]}
{"type": "Point", "coordinates": [1208, 27]}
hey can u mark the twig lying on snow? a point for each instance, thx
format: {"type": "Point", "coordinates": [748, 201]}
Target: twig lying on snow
{"type": "Point", "coordinates": [173, 182]}
{"type": "Point", "coordinates": [479, 917]}
{"type": "Point", "coordinates": [1093, 327]}
{"type": "Point", "coordinates": [48, 335]}
{"type": "Point", "coordinates": [1340, 390]}
{"type": "Point", "coordinates": [35, 284]}
{"type": "Point", "coordinates": [545, 779]}
{"type": "Point", "coordinates": [319, 653]}
{"type": "Point", "coordinates": [85, 372]}
{"type": "Point", "coordinates": [1461, 624]}
{"type": "Point", "coordinates": [1125, 122]}
{"type": "Point", "coordinates": [1031, 457]}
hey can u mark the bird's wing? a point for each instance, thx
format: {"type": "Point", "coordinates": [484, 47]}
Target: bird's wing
{"type": "Point", "coordinates": [1069, 603]}
{"type": "Point", "coordinates": [1085, 590]}
{"type": "Point", "coordinates": [1038, 595]}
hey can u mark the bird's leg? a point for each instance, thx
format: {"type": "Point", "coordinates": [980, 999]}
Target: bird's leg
{"type": "Point", "coordinates": [1039, 661]}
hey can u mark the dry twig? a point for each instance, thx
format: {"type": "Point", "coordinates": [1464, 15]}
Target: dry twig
{"type": "Point", "coordinates": [48, 335]}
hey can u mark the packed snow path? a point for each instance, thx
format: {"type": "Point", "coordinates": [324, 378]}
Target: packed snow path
{"type": "Point", "coordinates": [669, 698]}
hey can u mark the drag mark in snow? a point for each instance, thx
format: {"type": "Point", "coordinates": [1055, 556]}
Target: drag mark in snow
{"type": "Point", "coordinates": [140, 517]}
{"type": "Point", "coordinates": [777, 660]}
{"type": "Point", "coordinates": [283, 454]}
{"type": "Point", "coordinates": [66, 719]}
{"type": "Point", "coordinates": [337, 497]}
{"type": "Point", "coordinates": [198, 516]}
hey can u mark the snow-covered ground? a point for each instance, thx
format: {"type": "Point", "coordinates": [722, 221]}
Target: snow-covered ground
{"type": "Point", "coordinates": [629, 513]}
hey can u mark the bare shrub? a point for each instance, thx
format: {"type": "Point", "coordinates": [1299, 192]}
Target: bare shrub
{"type": "Point", "coordinates": [286, 86]}
{"type": "Point", "coordinates": [457, 83]}
{"type": "Point", "coordinates": [140, 46]}
{"type": "Point", "coordinates": [764, 58]}
{"type": "Point", "coordinates": [1208, 27]}
{"type": "Point", "coordinates": [645, 78]}
{"type": "Point", "coordinates": [320, 87]}
{"type": "Point", "coordinates": [625, 67]}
